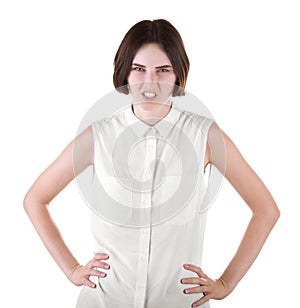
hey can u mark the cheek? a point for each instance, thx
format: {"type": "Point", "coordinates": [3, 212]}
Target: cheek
{"type": "Point", "coordinates": [170, 79]}
{"type": "Point", "coordinates": [133, 78]}
{"type": "Point", "coordinates": [167, 83]}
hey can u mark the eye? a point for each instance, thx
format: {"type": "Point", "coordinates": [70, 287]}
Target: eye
{"type": "Point", "coordinates": [163, 70]}
{"type": "Point", "coordinates": [138, 69]}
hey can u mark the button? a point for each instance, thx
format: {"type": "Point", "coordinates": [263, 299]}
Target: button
{"type": "Point", "coordinates": [146, 202]}
{"type": "Point", "coordinates": [143, 258]}
{"type": "Point", "coordinates": [145, 231]}
{"type": "Point", "coordinates": [140, 305]}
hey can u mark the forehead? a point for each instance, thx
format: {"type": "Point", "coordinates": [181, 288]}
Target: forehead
{"type": "Point", "coordinates": [151, 54]}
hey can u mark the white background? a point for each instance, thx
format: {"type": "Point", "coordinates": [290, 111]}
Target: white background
{"type": "Point", "coordinates": [56, 62]}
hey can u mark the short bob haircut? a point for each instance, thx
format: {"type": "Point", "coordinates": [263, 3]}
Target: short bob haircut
{"type": "Point", "coordinates": [146, 31]}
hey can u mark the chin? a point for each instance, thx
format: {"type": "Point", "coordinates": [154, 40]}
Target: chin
{"type": "Point", "coordinates": [149, 105]}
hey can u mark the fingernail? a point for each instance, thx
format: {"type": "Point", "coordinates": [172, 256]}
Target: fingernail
{"type": "Point", "coordinates": [102, 274]}
{"type": "Point", "coordinates": [106, 266]}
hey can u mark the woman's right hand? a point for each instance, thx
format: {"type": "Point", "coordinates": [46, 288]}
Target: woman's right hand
{"type": "Point", "coordinates": [81, 273]}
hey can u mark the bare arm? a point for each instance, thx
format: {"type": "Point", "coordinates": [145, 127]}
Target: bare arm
{"type": "Point", "coordinates": [52, 181]}
{"type": "Point", "coordinates": [264, 215]}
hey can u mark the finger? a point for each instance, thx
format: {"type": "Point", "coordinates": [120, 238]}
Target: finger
{"type": "Point", "coordinates": [100, 264]}
{"type": "Point", "coordinates": [201, 301]}
{"type": "Point", "coordinates": [88, 283]}
{"type": "Point", "coordinates": [101, 256]}
{"type": "Point", "coordinates": [195, 280]}
{"type": "Point", "coordinates": [94, 272]}
{"type": "Point", "coordinates": [198, 289]}
{"type": "Point", "coordinates": [97, 258]}
{"type": "Point", "coordinates": [195, 269]}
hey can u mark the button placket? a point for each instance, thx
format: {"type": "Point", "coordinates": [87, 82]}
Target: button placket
{"type": "Point", "coordinates": [154, 190]}
{"type": "Point", "coordinates": [145, 231]}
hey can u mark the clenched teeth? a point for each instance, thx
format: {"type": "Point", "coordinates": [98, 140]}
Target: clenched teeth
{"type": "Point", "coordinates": [149, 94]}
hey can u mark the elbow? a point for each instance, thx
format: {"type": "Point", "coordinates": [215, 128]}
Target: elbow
{"type": "Point", "coordinates": [33, 202]}
{"type": "Point", "coordinates": [276, 214]}
{"type": "Point", "coordinates": [268, 215]}
{"type": "Point", "coordinates": [29, 202]}
{"type": "Point", "coordinates": [26, 202]}
{"type": "Point", "coordinates": [272, 215]}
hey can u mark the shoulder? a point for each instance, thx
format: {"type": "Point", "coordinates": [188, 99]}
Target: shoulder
{"type": "Point", "coordinates": [116, 121]}
{"type": "Point", "coordinates": [99, 124]}
{"type": "Point", "coordinates": [193, 119]}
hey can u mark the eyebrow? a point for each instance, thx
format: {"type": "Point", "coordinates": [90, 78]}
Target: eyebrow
{"type": "Point", "coordinates": [161, 66]}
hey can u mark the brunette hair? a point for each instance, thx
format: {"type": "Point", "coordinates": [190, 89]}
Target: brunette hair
{"type": "Point", "coordinates": [146, 31]}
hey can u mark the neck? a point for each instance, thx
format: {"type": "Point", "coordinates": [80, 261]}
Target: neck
{"type": "Point", "coordinates": [151, 113]}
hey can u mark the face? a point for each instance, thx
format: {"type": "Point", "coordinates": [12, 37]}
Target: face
{"type": "Point", "coordinates": [151, 79]}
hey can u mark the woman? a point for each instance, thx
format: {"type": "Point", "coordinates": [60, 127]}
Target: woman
{"type": "Point", "coordinates": [141, 261]}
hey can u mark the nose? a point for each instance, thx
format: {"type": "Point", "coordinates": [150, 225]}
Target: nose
{"type": "Point", "coordinates": [150, 82]}
{"type": "Point", "coordinates": [150, 76]}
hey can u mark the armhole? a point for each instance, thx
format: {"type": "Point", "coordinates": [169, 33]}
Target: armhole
{"type": "Point", "coordinates": [94, 126]}
{"type": "Point", "coordinates": [94, 132]}
{"type": "Point", "coordinates": [206, 125]}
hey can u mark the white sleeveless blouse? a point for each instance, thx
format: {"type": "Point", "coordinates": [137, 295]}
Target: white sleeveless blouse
{"type": "Point", "coordinates": [148, 207]}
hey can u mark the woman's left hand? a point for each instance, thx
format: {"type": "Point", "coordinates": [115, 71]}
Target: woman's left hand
{"type": "Point", "coordinates": [211, 288]}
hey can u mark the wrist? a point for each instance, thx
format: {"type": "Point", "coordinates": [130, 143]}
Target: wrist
{"type": "Point", "coordinates": [69, 273]}
{"type": "Point", "coordinates": [229, 287]}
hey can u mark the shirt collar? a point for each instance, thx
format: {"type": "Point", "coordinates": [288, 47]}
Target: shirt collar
{"type": "Point", "coordinates": [161, 129]}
